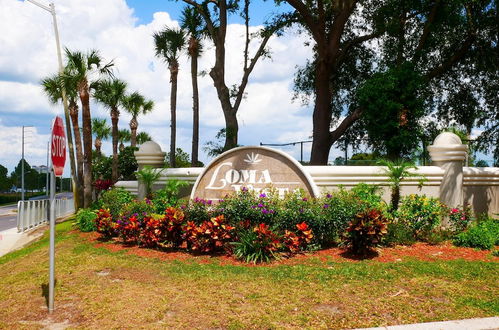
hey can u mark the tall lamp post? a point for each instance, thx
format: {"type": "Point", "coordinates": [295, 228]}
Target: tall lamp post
{"type": "Point", "coordinates": [51, 9]}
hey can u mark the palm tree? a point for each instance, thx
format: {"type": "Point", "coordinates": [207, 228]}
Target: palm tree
{"type": "Point", "coordinates": [101, 131]}
{"type": "Point", "coordinates": [397, 171]}
{"type": "Point", "coordinates": [143, 137]}
{"type": "Point", "coordinates": [80, 67]}
{"type": "Point", "coordinates": [52, 86]}
{"type": "Point", "coordinates": [124, 136]}
{"type": "Point", "coordinates": [135, 104]}
{"type": "Point", "coordinates": [191, 22]}
{"type": "Point", "coordinates": [169, 43]}
{"type": "Point", "coordinates": [110, 92]}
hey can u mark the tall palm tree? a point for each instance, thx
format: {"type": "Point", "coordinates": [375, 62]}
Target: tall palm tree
{"type": "Point", "coordinates": [110, 92]}
{"type": "Point", "coordinates": [136, 104]}
{"type": "Point", "coordinates": [101, 131]}
{"type": "Point", "coordinates": [52, 86]}
{"type": "Point", "coordinates": [169, 43]}
{"type": "Point", "coordinates": [191, 22]}
{"type": "Point", "coordinates": [124, 136]}
{"type": "Point", "coordinates": [82, 67]}
{"type": "Point", "coordinates": [143, 137]}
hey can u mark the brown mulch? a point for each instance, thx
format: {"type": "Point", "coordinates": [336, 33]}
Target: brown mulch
{"type": "Point", "coordinates": [418, 251]}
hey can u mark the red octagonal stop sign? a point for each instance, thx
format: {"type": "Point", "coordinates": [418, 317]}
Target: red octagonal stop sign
{"type": "Point", "coordinates": [58, 146]}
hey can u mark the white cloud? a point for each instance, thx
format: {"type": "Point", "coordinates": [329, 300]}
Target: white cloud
{"type": "Point", "coordinates": [27, 54]}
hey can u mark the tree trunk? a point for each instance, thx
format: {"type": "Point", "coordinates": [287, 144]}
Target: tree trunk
{"type": "Point", "coordinates": [322, 116]}
{"type": "Point", "coordinates": [133, 131]}
{"type": "Point", "coordinates": [87, 144]}
{"type": "Point", "coordinates": [73, 112]}
{"type": "Point", "coordinates": [115, 115]}
{"type": "Point", "coordinates": [173, 113]}
{"type": "Point", "coordinates": [195, 108]}
{"type": "Point", "coordinates": [98, 146]}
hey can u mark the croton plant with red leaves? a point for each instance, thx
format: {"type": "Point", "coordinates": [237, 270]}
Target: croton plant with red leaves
{"type": "Point", "coordinates": [296, 242]}
{"type": "Point", "coordinates": [105, 224]}
{"type": "Point", "coordinates": [210, 236]}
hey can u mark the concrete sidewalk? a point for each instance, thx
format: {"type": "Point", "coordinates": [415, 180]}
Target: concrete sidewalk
{"type": "Point", "coordinates": [488, 323]}
{"type": "Point", "coordinates": [11, 240]}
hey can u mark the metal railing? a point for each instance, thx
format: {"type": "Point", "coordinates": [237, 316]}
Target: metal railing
{"type": "Point", "coordinates": [31, 214]}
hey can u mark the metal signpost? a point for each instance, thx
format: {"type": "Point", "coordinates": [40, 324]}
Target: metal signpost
{"type": "Point", "coordinates": [58, 156]}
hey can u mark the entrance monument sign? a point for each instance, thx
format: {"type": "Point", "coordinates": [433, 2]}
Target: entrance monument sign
{"type": "Point", "coordinates": [253, 168]}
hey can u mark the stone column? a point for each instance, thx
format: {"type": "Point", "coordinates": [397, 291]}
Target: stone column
{"type": "Point", "coordinates": [149, 153]}
{"type": "Point", "coordinates": [449, 153]}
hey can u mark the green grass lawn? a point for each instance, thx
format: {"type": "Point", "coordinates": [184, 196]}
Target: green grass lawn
{"type": "Point", "coordinates": [98, 288]}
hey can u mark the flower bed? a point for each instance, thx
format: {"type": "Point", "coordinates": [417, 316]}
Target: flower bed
{"type": "Point", "coordinates": [262, 227]}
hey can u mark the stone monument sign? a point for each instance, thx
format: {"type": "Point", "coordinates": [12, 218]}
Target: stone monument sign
{"type": "Point", "coordinates": [253, 168]}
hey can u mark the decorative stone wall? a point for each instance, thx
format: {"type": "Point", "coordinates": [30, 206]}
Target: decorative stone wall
{"type": "Point", "coordinates": [447, 179]}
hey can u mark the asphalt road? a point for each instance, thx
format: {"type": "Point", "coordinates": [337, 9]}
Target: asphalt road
{"type": "Point", "coordinates": [8, 215]}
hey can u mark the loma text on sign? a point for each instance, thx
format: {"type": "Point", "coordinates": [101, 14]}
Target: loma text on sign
{"type": "Point", "coordinates": [254, 168]}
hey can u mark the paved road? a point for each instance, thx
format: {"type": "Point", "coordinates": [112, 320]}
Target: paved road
{"type": "Point", "coordinates": [8, 215]}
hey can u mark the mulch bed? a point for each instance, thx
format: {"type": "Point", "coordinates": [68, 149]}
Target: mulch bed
{"type": "Point", "coordinates": [418, 251]}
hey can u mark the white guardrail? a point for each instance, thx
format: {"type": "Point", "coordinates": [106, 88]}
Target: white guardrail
{"type": "Point", "coordinates": [31, 214]}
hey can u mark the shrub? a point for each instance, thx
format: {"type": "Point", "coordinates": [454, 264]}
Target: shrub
{"type": "Point", "coordinates": [132, 220]}
{"type": "Point", "coordinates": [257, 245]}
{"type": "Point", "coordinates": [366, 231]}
{"type": "Point", "coordinates": [173, 222]}
{"type": "Point", "coordinates": [115, 200]}
{"type": "Point", "coordinates": [248, 205]}
{"type": "Point", "coordinates": [337, 210]}
{"type": "Point", "coordinates": [296, 242]}
{"type": "Point", "coordinates": [460, 219]}
{"type": "Point", "coordinates": [483, 235]}
{"type": "Point", "coordinates": [197, 210]}
{"type": "Point", "coordinates": [421, 214]}
{"type": "Point", "coordinates": [85, 220]}
{"type": "Point", "coordinates": [398, 233]}
{"type": "Point", "coordinates": [105, 224]}
{"type": "Point", "coordinates": [210, 236]}
{"type": "Point", "coordinates": [168, 196]}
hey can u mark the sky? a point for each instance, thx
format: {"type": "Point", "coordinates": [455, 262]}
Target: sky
{"type": "Point", "coordinates": [122, 31]}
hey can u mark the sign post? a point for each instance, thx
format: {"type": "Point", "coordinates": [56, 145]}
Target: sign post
{"type": "Point", "coordinates": [58, 156]}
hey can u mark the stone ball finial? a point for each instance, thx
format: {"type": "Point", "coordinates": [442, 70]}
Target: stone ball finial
{"type": "Point", "coordinates": [150, 153]}
{"type": "Point", "coordinates": [447, 147]}
{"type": "Point", "coordinates": [447, 138]}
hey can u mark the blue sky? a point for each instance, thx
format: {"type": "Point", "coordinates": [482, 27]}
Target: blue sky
{"type": "Point", "coordinates": [144, 10]}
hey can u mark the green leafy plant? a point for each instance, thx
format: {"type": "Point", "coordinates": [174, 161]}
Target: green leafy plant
{"type": "Point", "coordinates": [366, 231]}
{"type": "Point", "coordinates": [148, 176]}
{"type": "Point", "coordinates": [115, 200]}
{"type": "Point", "coordinates": [85, 220]}
{"type": "Point", "coordinates": [421, 214]}
{"type": "Point", "coordinates": [397, 171]}
{"type": "Point", "coordinates": [168, 196]}
{"type": "Point", "coordinates": [483, 235]}
{"type": "Point", "coordinates": [257, 245]}
{"type": "Point", "coordinates": [398, 234]}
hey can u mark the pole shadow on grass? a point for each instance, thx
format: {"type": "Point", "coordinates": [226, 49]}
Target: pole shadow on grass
{"type": "Point", "coordinates": [45, 291]}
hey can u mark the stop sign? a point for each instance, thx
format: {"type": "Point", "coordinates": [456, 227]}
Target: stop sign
{"type": "Point", "coordinates": [58, 146]}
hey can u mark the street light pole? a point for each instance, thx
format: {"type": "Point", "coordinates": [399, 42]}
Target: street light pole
{"type": "Point", "coordinates": [22, 166]}
{"type": "Point", "coordinates": [51, 9]}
